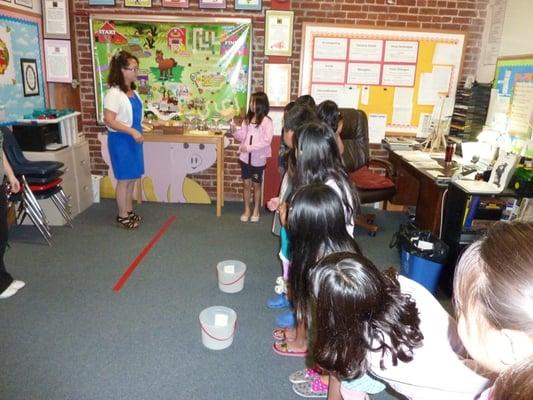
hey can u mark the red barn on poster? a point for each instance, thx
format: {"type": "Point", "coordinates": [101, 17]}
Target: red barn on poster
{"type": "Point", "coordinates": [176, 38]}
{"type": "Point", "coordinates": [108, 34]}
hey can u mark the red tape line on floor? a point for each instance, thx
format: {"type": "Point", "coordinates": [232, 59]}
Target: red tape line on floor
{"type": "Point", "coordinates": [123, 279]}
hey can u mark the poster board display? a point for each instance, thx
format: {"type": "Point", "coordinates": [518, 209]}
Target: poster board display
{"type": "Point", "coordinates": [188, 68]}
{"type": "Point", "coordinates": [513, 88]}
{"type": "Point", "coordinates": [399, 75]}
{"type": "Point", "coordinates": [21, 53]}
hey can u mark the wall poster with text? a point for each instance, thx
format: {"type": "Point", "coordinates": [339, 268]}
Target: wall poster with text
{"type": "Point", "coordinates": [187, 68]}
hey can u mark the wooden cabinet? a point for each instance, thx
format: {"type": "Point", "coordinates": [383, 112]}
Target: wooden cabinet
{"type": "Point", "coordinates": [76, 179]}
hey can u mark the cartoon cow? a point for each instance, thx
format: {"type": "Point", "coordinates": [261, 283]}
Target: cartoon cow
{"type": "Point", "coordinates": [166, 167]}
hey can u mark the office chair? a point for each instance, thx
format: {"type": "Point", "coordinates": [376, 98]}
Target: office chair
{"type": "Point", "coordinates": [371, 187]}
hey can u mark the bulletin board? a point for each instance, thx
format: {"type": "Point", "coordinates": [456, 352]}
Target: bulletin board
{"type": "Point", "coordinates": [398, 75]}
{"type": "Point", "coordinates": [188, 68]}
{"type": "Point", "coordinates": [22, 87]}
{"type": "Point", "coordinates": [513, 83]}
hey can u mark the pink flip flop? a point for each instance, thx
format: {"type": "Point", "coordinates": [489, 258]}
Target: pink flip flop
{"type": "Point", "coordinates": [282, 349]}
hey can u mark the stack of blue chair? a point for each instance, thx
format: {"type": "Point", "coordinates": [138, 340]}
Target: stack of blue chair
{"type": "Point", "coordinates": [39, 180]}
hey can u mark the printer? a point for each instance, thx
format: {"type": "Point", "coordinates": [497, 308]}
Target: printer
{"type": "Point", "coordinates": [35, 137]}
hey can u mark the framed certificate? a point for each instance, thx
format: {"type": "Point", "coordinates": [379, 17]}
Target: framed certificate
{"type": "Point", "coordinates": [58, 61]}
{"type": "Point", "coordinates": [254, 5]}
{"type": "Point", "coordinates": [25, 3]}
{"type": "Point", "coordinates": [101, 2]}
{"type": "Point", "coordinates": [55, 17]}
{"type": "Point", "coordinates": [175, 3]}
{"type": "Point", "coordinates": [277, 84]}
{"type": "Point", "coordinates": [30, 79]}
{"type": "Point", "coordinates": [212, 4]}
{"type": "Point", "coordinates": [278, 33]}
{"type": "Point", "coordinates": [138, 3]}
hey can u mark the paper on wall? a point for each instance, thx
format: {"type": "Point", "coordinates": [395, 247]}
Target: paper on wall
{"type": "Point", "coordinates": [348, 97]}
{"type": "Point", "coordinates": [344, 96]}
{"type": "Point", "coordinates": [446, 53]}
{"type": "Point", "coordinates": [426, 95]}
{"type": "Point", "coordinates": [441, 79]}
{"type": "Point", "coordinates": [365, 95]}
{"type": "Point", "coordinates": [376, 127]}
{"type": "Point", "coordinates": [403, 106]}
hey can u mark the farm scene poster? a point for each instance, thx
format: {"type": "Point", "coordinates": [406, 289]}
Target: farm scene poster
{"type": "Point", "coordinates": [187, 69]}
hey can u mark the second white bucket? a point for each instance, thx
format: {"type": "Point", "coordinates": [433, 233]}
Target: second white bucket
{"type": "Point", "coordinates": [218, 326]}
{"type": "Point", "coordinates": [230, 275]}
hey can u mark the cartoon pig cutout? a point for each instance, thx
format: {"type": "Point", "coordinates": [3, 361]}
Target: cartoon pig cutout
{"type": "Point", "coordinates": [167, 165]}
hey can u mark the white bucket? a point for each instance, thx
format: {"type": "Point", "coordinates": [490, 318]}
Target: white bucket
{"type": "Point", "coordinates": [230, 275]}
{"type": "Point", "coordinates": [96, 187]}
{"type": "Point", "coordinates": [218, 326]}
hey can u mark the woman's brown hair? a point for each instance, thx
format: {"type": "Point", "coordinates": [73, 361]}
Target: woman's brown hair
{"type": "Point", "coordinates": [494, 277]}
{"type": "Point", "coordinates": [116, 78]}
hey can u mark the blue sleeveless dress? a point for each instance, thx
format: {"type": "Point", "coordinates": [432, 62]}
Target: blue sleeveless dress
{"type": "Point", "coordinates": [126, 154]}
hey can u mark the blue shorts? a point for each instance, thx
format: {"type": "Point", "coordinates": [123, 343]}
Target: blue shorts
{"type": "Point", "coordinates": [250, 172]}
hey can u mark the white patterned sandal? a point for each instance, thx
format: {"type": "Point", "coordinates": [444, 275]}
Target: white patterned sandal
{"type": "Point", "coordinates": [303, 375]}
{"type": "Point", "coordinates": [314, 388]}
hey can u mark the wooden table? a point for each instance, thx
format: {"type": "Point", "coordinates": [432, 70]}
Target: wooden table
{"type": "Point", "coordinates": [217, 139]}
{"type": "Point", "coordinates": [416, 187]}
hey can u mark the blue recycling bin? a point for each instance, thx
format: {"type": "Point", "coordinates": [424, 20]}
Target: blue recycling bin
{"type": "Point", "coordinates": [423, 271]}
{"type": "Point", "coordinates": [422, 266]}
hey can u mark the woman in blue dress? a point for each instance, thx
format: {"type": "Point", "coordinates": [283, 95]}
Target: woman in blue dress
{"type": "Point", "coordinates": [123, 114]}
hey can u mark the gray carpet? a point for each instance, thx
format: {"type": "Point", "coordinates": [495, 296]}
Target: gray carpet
{"type": "Point", "coordinates": [67, 335]}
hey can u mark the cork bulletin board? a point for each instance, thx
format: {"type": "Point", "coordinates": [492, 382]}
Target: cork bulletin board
{"type": "Point", "coordinates": [395, 76]}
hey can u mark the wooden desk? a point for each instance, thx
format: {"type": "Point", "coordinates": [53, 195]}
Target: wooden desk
{"type": "Point", "coordinates": [416, 187]}
{"type": "Point", "coordinates": [218, 140]}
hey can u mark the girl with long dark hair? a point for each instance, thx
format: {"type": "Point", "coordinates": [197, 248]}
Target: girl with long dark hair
{"type": "Point", "coordinates": [379, 324]}
{"type": "Point", "coordinates": [255, 136]}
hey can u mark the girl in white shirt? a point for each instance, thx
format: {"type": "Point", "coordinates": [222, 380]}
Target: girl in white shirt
{"type": "Point", "coordinates": [388, 327]}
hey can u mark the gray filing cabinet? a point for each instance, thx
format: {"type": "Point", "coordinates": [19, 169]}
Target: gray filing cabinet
{"type": "Point", "coordinates": [76, 179]}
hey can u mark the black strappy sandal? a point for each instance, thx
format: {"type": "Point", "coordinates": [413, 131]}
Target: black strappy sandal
{"type": "Point", "coordinates": [127, 223]}
{"type": "Point", "coordinates": [134, 217]}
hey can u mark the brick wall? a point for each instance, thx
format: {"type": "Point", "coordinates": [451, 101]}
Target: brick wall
{"type": "Point", "coordinates": [467, 16]}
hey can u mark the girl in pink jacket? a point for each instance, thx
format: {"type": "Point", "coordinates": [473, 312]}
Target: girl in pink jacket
{"type": "Point", "coordinates": [255, 136]}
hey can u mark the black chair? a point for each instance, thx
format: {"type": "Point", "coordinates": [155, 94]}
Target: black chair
{"type": "Point", "coordinates": [39, 180]}
{"type": "Point", "coordinates": [20, 164]}
{"type": "Point", "coordinates": [357, 159]}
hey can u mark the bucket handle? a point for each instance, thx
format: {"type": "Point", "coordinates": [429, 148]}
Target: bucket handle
{"type": "Point", "coordinates": [215, 338]}
{"type": "Point", "coordinates": [230, 283]}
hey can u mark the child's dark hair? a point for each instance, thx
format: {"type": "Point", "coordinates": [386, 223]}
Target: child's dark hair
{"type": "Point", "coordinates": [295, 117]}
{"type": "Point", "coordinates": [261, 109]}
{"type": "Point", "coordinates": [329, 113]}
{"type": "Point", "coordinates": [283, 153]}
{"type": "Point", "coordinates": [318, 159]}
{"type": "Point", "coordinates": [359, 309]}
{"type": "Point", "coordinates": [298, 115]}
{"type": "Point", "coordinates": [316, 227]}
{"type": "Point", "coordinates": [116, 78]}
{"type": "Point", "coordinates": [306, 100]}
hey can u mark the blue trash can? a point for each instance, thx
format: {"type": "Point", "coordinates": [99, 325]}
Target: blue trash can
{"type": "Point", "coordinates": [422, 266]}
